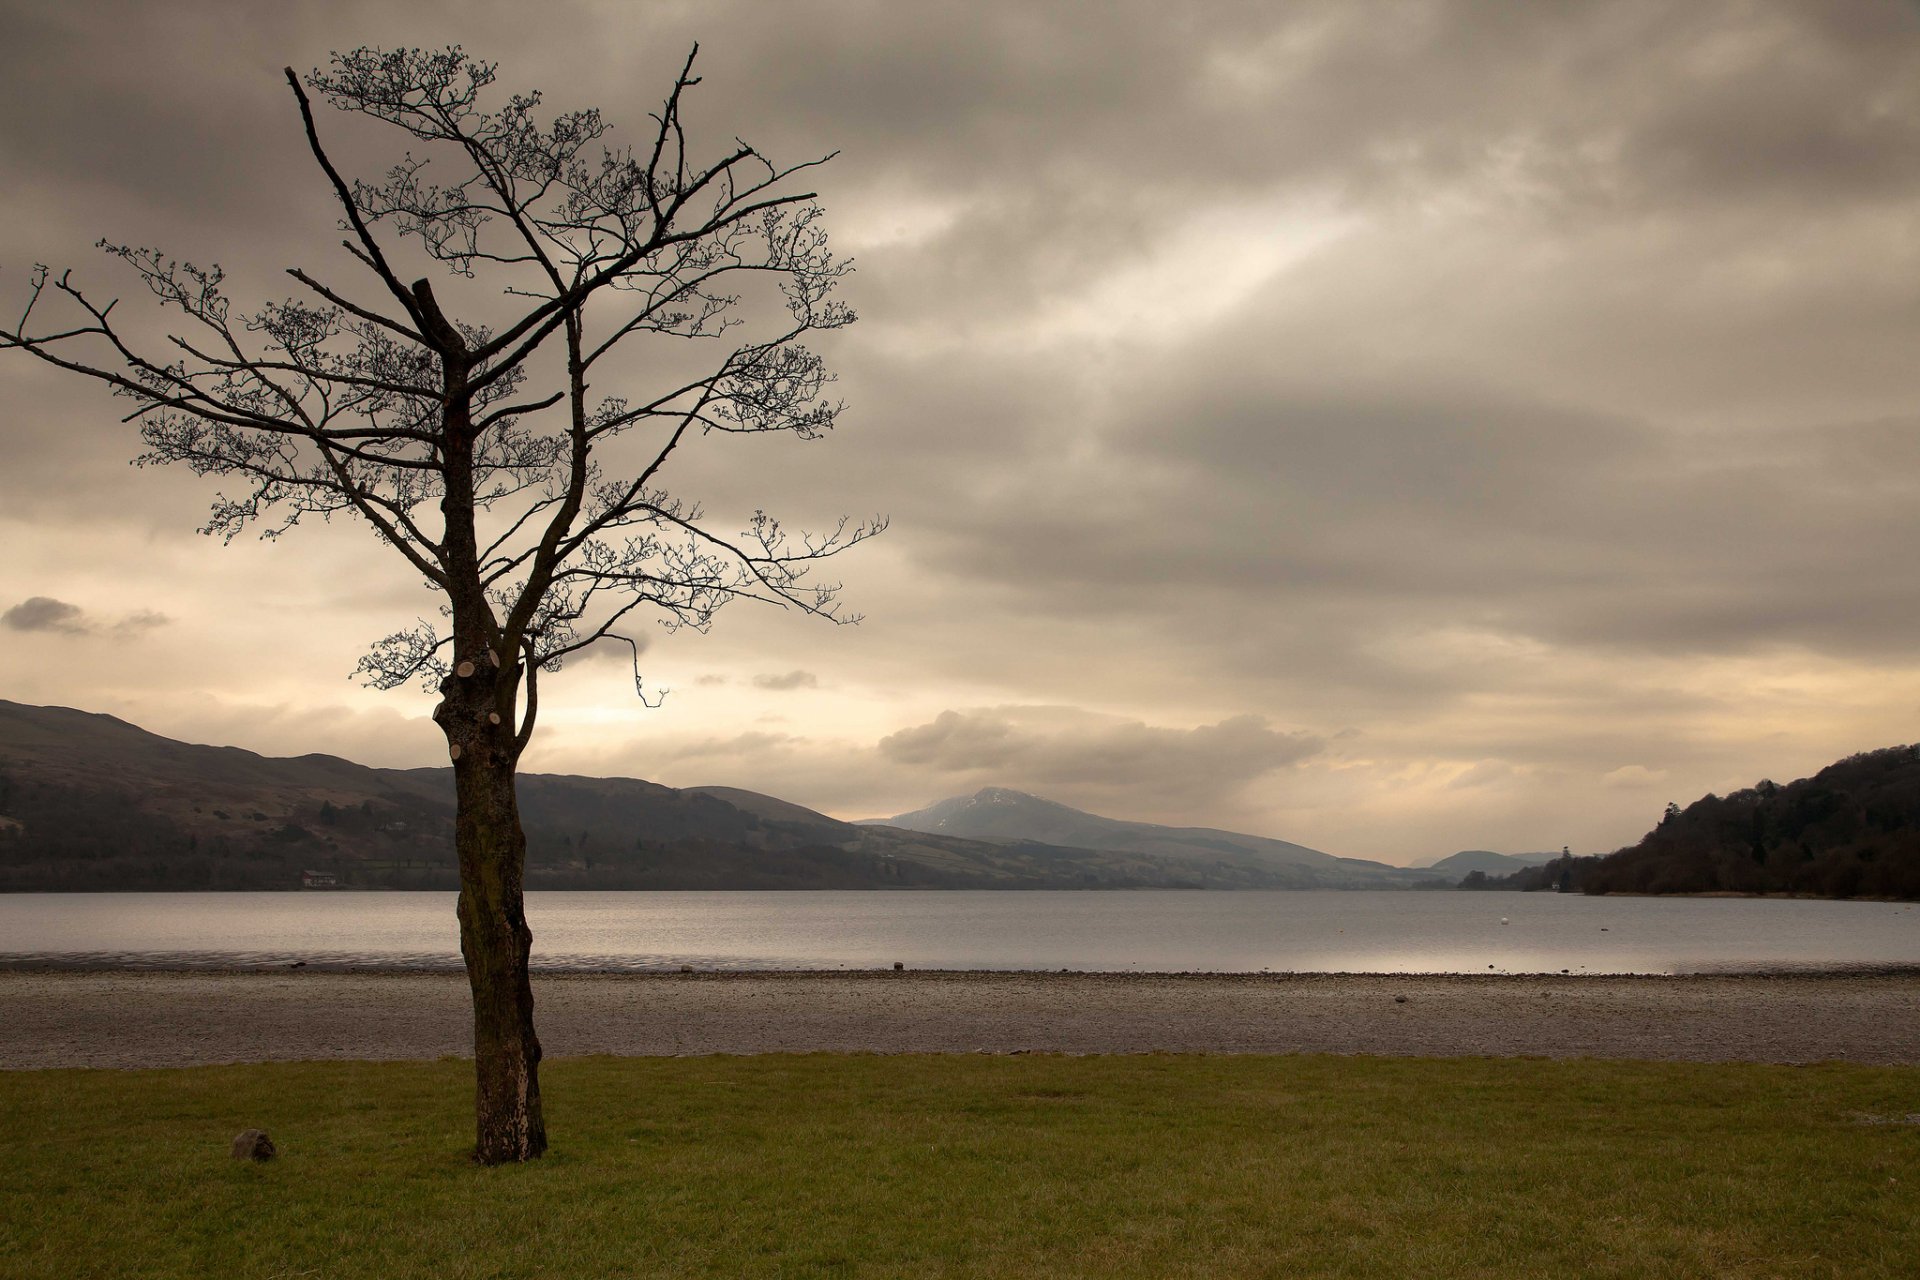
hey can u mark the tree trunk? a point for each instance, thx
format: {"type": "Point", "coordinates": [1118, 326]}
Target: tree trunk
{"type": "Point", "coordinates": [495, 940]}
{"type": "Point", "coordinates": [476, 712]}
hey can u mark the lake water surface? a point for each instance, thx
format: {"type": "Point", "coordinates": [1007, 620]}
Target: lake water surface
{"type": "Point", "coordinates": [1142, 931]}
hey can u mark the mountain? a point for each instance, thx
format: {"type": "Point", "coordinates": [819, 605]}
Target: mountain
{"type": "Point", "coordinates": [91, 802]}
{"type": "Point", "coordinates": [768, 807]}
{"type": "Point", "coordinates": [1003, 815]}
{"type": "Point", "coordinates": [1455, 865]}
{"type": "Point", "coordinates": [1850, 831]}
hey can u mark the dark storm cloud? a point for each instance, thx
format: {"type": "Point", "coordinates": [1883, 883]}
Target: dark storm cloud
{"type": "Point", "coordinates": [1721, 95]}
{"type": "Point", "coordinates": [1346, 509]}
{"type": "Point", "coordinates": [1642, 193]}
{"type": "Point", "coordinates": [1064, 145]}
{"type": "Point", "coordinates": [1129, 116]}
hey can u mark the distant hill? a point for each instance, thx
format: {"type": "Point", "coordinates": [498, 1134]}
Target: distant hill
{"type": "Point", "coordinates": [1455, 865]}
{"type": "Point", "coordinates": [768, 807]}
{"type": "Point", "coordinates": [1851, 830]}
{"type": "Point", "coordinates": [1003, 815]}
{"type": "Point", "coordinates": [91, 802]}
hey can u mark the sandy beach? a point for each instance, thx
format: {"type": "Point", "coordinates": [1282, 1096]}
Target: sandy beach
{"type": "Point", "coordinates": [167, 1019]}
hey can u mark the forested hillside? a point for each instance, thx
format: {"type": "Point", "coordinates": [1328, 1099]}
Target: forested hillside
{"type": "Point", "coordinates": [1850, 831]}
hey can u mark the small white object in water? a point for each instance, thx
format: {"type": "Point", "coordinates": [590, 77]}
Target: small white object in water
{"type": "Point", "coordinates": [1504, 920]}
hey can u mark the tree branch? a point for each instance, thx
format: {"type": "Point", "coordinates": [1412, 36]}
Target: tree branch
{"type": "Point", "coordinates": [374, 257]}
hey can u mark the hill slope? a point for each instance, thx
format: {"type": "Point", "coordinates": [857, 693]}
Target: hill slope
{"type": "Point", "coordinates": [1851, 830]}
{"type": "Point", "coordinates": [1001, 814]}
{"type": "Point", "coordinates": [92, 802]}
{"type": "Point", "coordinates": [1494, 864]}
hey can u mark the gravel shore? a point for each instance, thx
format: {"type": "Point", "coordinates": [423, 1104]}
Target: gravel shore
{"type": "Point", "coordinates": [169, 1019]}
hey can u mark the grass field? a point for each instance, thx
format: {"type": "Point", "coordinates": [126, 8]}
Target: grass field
{"type": "Point", "coordinates": [1022, 1166]}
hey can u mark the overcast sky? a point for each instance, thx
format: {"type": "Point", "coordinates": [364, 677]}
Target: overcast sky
{"type": "Point", "coordinates": [1395, 428]}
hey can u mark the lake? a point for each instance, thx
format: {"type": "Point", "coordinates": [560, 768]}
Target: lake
{"type": "Point", "coordinates": [1143, 931]}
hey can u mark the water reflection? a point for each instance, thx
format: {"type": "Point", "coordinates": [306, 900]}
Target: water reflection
{"type": "Point", "coordinates": [1150, 931]}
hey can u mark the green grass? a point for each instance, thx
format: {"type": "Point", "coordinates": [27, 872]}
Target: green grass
{"type": "Point", "coordinates": [832, 1165]}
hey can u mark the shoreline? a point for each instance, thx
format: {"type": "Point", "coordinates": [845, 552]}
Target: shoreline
{"type": "Point", "coordinates": [453, 966]}
{"type": "Point", "coordinates": [131, 1018]}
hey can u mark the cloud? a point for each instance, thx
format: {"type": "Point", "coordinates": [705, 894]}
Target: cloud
{"type": "Point", "coordinates": [1129, 763]}
{"type": "Point", "coordinates": [791, 680]}
{"type": "Point", "coordinates": [1485, 773]}
{"type": "Point", "coordinates": [618, 650]}
{"type": "Point", "coordinates": [1521, 388]}
{"type": "Point", "coordinates": [740, 745]}
{"type": "Point", "coordinates": [1633, 777]}
{"type": "Point", "coordinates": [44, 613]}
{"type": "Point", "coordinates": [140, 621]}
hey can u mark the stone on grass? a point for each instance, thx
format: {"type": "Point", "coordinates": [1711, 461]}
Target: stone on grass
{"type": "Point", "coordinates": [253, 1144]}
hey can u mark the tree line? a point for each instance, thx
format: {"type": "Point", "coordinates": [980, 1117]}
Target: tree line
{"type": "Point", "coordinates": [1850, 831]}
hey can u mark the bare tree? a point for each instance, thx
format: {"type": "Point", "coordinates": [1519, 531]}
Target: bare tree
{"type": "Point", "coordinates": [553, 530]}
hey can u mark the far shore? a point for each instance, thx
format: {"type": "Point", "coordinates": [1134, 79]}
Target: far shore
{"type": "Point", "coordinates": [1730, 893]}
{"type": "Point", "coordinates": [171, 1018]}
